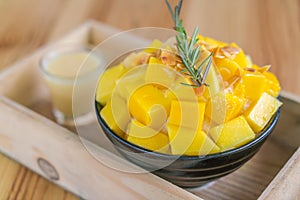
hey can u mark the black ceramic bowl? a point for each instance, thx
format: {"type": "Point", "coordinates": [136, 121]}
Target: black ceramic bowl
{"type": "Point", "coordinates": [189, 171]}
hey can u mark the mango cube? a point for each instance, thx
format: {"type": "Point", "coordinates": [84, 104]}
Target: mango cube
{"type": "Point", "coordinates": [149, 106]}
{"type": "Point", "coordinates": [154, 60]}
{"type": "Point", "coordinates": [183, 92]}
{"type": "Point", "coordinates": [261, 113]}
{"type": "Point", "coordinates": [255, 84]}
{"type": "Point", "coordinates": [106, 83]}
{"type": "Point", "coordinates": [130, 81]}
{"type": "Point", "coordinates": [159, 74]}
{"type": "Point", "coordinates": [240, 58]}
{"type": "Point", "coordinates": [147, 137]}
{"type": "Point", "coordinates": [223, 107]}
{"type": "Point", "coordinates": [190, 142]}
{"type": "Point", "coordinates": [170, 95]}
{"type": "Point", "coordinates": [215, 83]}
{"type": "Point", "coordinates": [187, 114]}
{"type": "Point", "coordinates": [115, 114]}
{"type": "Point", "coordinates": [239, 90]}
{"type": "Point", "coordinates": [154, 46]}
{"type": "Point", "coordinates": [227, 67]}
{"type": "Point", "coordinates": [210, 41]}
{"type": "Point", "coordinates": [232, 134]}
{"type": "Point", "coordinates": [273, 86]}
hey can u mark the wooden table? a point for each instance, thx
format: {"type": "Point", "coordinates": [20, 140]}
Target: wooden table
{"type": "Point", "coordinates": [268, 30]}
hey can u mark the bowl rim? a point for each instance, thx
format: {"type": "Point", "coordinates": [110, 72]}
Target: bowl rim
{"type": "Point", "coordinates": [261, 136]}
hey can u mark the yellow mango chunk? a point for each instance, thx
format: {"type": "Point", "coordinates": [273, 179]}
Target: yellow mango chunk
{"type": "Point", "coordinates": [170, 95]}
{"type": "Point", "coordinates": [181, 138]}
{"type": "Point", "coordinates": [154, 46]}
{"type": "Point", "coordinates": [202, 145]}
{"type": "Point", "coordinates": [154, 60]}
{"type": "Point", "coordinates": [181, 91]}
{"type": "Point", "coordinates": [273, 86]}
{"type": "Point", "coordinates": [232, 134]}
{"type": "Point", "coordinates": [190, 142]}
{"type": "Point", "coordinates": [187, 114]}
{"type": "Point", "coordinates": [216, 108]}
{"type": "Point", "coordinates": [240, 58]}
{"type": "Point", "coordinates": [210, 42]}
{"type": "Point", "coordinates": [107, 83]}
{"type": "Point", "coordinates": [239, 90]}
{"type": "Point", "coordinates": [213, 80]}
{"type": "Point", "coordinates": [149, 106]}
{"type": "Point", "coordinates": [234, 106]}
{"type": "Point", "coordinates": [160, 74]}
{"type": "Point", "coordinates": [223, 107]}
{"type": "Point", "coordinates": [227, 67]}
{"type": "Point", "coordinates": [147, 137]}
{"type": "Point", "coordinates": [261, 113]}
{"type": "Point", "coordinates": [130, 81]}
{"type": "Point", "coordinates": [255, 84]}
{"type": "Point", "coordinates": [115, 114]}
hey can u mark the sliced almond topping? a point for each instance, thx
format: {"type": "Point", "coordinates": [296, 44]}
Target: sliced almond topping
{"type": "Point", "coordinates": [168, 58]}
{"type": "Point", "coordinates": [249, 69]}
{"type": "Point", "coordinates": [263, 68]}
{"type": "Point", "coordinates": [230, 51]}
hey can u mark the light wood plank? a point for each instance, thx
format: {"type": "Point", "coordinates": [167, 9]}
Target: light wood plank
{"type": "Point", "coordinates": [77, 170]}
{"type": "Point", "coordinates": [286, 185]}
{"type": "Point", "coordinates": [8, 171]}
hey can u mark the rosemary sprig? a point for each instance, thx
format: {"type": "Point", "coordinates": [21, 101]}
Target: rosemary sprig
{"type": "Point", "coordinates": [188, 50]}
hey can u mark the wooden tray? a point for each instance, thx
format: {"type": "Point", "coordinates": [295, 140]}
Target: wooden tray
{"type": "Point", "coordinates": [29, 135]}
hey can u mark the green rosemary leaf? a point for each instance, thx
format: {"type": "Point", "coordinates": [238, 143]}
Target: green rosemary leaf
{"type": "Point", "coordinates": [188, 49]}
{"type": "Point", "coordinates": [170, 9]}
{"type": "Point", "coordinates": [194, 39]}
{"type": "Point", "coordinates": [186, 45]}
{"type": "Point", "coordinates": [188, 68]}
{"type": "Point", "coordinates": [207, 68]}
{"type": "Point", "coordinates": [195, 55]}
{"type": "Point", "coordinates": [199, 70]}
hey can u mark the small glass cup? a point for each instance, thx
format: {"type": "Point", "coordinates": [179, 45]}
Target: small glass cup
{"type": "Point", "coordinates": [60, 69]}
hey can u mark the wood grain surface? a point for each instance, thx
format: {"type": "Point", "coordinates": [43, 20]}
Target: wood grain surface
{"type": "Point", "coordinates": [268, 30]}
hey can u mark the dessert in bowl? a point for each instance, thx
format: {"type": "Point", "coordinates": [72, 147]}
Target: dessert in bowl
{"type": "Point", "coordinates": [191, 109]}
{"type": "Point", "coordinates": [189, 135]}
